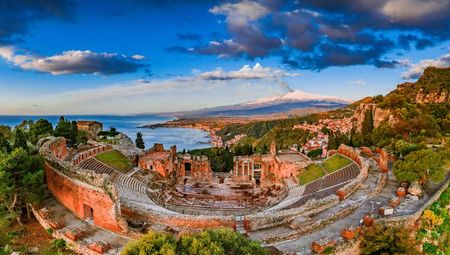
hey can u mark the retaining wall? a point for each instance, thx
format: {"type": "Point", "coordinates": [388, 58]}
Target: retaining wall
{"type": "Point", "coordinates": [79, 197]}
{"type": "Point", "coordinates": [90, 153]}
{"type": "Point", "coordinates": [181, 221]}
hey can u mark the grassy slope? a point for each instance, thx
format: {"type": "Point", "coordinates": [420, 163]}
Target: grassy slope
{"type": "Point", "coordinates": [115, 159]}
{"type": "Point", "coordinates": [335, 162]}
{"type": "Point", "coordinates": [311, 173]}
{"type": "Point", "coordinates": [315, 171]}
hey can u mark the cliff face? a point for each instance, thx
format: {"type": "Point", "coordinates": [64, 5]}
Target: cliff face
{"type": "Point", "coordinates": [380, 115]}
{"type": "Point", "coordinates": [440, 96]}
{"type": "Point", "coordinates": [432, 87]}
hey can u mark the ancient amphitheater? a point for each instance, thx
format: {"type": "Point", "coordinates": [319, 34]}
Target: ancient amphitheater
{"type": "Point", "coordinates": [98, 208]}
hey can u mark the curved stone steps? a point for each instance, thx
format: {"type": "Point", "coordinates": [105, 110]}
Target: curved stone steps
{"type": "Point", "coordinates": [320, 188]}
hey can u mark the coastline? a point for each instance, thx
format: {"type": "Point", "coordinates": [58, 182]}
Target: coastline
{"type": "Point", "coordinates": [201, 124]}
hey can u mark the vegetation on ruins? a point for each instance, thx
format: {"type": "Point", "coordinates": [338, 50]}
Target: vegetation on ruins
{"type": "Point", "coordinates": [423, 165]}
{"type": "Point", "coordinates": [213, 241]}
{"type": "Point", "coordinates": [115, 159]}
{"type": "Point", "coordinates": [382, 239]}
{"type": "Point", "coordinates": [139, 141]}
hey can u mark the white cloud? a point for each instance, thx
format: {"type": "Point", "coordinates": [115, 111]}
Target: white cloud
{"type": "Point", "coordinates": [415, 70]}
{"type": "Point", "coordinates": [400, 10]}
{"type": "Point", "coordinates": [241, 12]}
{"type": "Point", "coordinates": [359, 82]}
{"type": "Point", "coordinates": [247, 72]}
{"type": "Point", "coordinates": [137, 57]}
{"type": "Point", "coordinates": [73, 62]}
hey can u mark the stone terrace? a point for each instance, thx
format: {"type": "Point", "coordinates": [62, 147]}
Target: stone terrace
{"type": "Point", "coordinates": [61, 220]}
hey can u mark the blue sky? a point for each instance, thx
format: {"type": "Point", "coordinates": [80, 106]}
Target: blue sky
{"type": "Point", "coordinates": [138, 56]}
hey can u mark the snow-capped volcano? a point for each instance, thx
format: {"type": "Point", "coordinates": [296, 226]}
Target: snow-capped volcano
{"type": "Point", "coordinates": [297, 100]}
{"type": "Point", "coordinates": [298, 95]}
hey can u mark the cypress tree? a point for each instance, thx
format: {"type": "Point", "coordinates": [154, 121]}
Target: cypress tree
{"type": "Point", "coordinates": [139, 141]}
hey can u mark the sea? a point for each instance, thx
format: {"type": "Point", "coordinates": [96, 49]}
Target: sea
{"type": "Point", "coordinates": [183, 138]}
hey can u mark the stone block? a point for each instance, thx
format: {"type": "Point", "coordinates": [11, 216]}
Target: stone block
{"type": "Point", "coordinates": [348, 234]}
{"type": "Point", "coordinates": [45, 213]}
{"type": "Point", "coordinates": [368, 221]}
{"type": "Point", "coordinates": [415, 189]}
{"type": "Point", "coordinates": [320, 246]}
{"type": "Point", "coordinates": [100, 247]}
{"type": "Point", "coordinates": [401, 192]}
{"type": "Point", "coordinates": [57, 223]}
{"type": "Point", "coordinates": [394, 202]}
{"type": "Point", "coordinates": [367, 151]}
{"type": "Point", "coordinates": [341, 194]}
{"type": "Point", "coordinates": [74, 234]}
{"type": "Point", "coordinates": [386, 211]}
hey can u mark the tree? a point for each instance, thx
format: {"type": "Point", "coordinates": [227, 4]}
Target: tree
{"type": "Point", "coordinates": [69, 130]}
{"type": "Point", "coordinates": [367, 126]}
{"type": "Point", "coordinates": [139, 141]}
{"type": "Point", "coordinates": [6, 131]}
{"type": "Point", "coordinates": [382, 239]}
{"type": "Point", "coordinates": [21, 181]}
{"type": "Point", "coordinates": [422, 165]}
{"type": "Point", "coordinates": [63, 128]}
{"type": "Point", "coordinates": [5, 147]}
{"type": "Point", "coordinates": [40, 129]}
{"type": "Point", "coordinates": [152, 243]}
{"type": "Point", "coordinates": [73, 132]}
{"type": "Point", "coordinates": [20, 140]}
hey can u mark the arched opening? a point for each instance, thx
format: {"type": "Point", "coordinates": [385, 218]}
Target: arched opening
{"type": "Point", "coordinates": [187, 168]}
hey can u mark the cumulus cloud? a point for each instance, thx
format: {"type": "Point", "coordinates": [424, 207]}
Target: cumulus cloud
{"type": "Point", "coordinates": [74, 62]}
{"type": "Point", "coordinates": [247, 72]}
{"type": "Point", "coordinates": [416, 70]}
{"type": "Point", "coordinates": [242, 12]}
{"type": "Point", "coordinates": [316, 34]}
{"type": "Point", "coordinates": [399, 10]}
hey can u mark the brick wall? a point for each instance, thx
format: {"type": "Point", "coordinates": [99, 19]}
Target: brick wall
{"type": "Point", "coordinates": [76, 195]}
{"type": "Point", "coordinates": [181, 221]}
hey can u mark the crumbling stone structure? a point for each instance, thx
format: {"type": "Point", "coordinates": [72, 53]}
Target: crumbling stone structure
{"type": "Point", "coordinates": [268, 168]}
{"type": "Point", "coordinates": [88, 195]}
{"type": "Point", "coordinates": [159, 160]}
{"type": "Point", "coordinates": [165, 162]}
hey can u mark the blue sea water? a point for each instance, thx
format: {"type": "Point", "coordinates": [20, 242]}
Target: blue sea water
{"type": "Point", "coordinates": [183, 138]}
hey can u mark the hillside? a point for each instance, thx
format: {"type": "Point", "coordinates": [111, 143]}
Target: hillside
{"type": "Point", "coordinates": [414, 109]}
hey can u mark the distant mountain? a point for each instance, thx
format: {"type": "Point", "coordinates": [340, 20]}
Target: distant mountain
{"type": "Point", "coordinates": [293, 102]}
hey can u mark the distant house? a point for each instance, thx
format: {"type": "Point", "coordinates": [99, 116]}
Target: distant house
{"type": "Point", "coordinates": [91, 127]}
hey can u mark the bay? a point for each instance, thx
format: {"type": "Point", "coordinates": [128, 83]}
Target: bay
{"type": "Point", "coordinates": [183, 138]}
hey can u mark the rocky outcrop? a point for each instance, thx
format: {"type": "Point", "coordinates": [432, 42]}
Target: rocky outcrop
{"type": "Point", "coordinates": [415, 189]}
{"type": "Point", "coordinates": [126, 146]}
{"type": "Point", "coordinates": [380, 115]}
{"type": "Point", "coordinates": [440, 96]}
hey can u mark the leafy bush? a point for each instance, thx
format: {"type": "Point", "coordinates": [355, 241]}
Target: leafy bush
{"type": "Point", "coordinates": [382, 239]}
{"type": "Point", "coordinates": [315, 153]}
{"type": "Point", "coordinates": [214, 242]}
